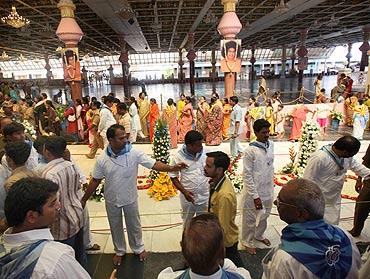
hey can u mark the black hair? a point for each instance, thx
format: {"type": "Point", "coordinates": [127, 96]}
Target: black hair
{"type": "Point", "coordinates": [12, 128]}
{"type": "Point", "coordinates": [111, 132]}
{"type": "Point", "coordinates": [78, 101]}
{"type": "Point", "coordinates": [96, 104]}
{"type": "Point", "coordinates": [122, 106]}
{"type": "Point", "coordinates": [56, 145]}
{"type": "Point", "coordinates": [153, 100]}
{"type": "Point", "coordinates": [188, 98]}
{"type": "Point", "coordinates": [348, 143]}
{"type": "Point", "coordinates": [39, 143]}
{"type": "Point", "coordinates": [170, 102]}
{"type": "Point", "coordinates": [230, 44]}
{"type": "Point", "coordinates": [50, 103]}
{"type": "Point", "coordinates": [85, 100]}
{"type": "Point", "coordinates": [235, 99]}
{"type": "Point", "coordinates": [132, 99]}
{"type": "Point", "coordinates": [192, 137]}
{"type": "Point", "coordinates": [27, 194]}
{"type": "Point", "coordinates": [44, 95]}
{"type": "Point", "coordinates": [18, 152]}
{"type": "Point", "coordinates": [221, 159]}
{"type": "Point", "coordinates": [259, 124]}
{"type": "Point", "coordinates": [108, 99]}
{"type": "Point", "coordinates": [226, 100]}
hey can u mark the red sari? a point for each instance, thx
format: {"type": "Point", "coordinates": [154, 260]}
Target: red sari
{"type": "Point", "coordinates": [153, 117]}
{"type": "Point", "coordinates": [299, 116]}
{"type": "Point", "coordinates": [214, 122]}
{"type": "Point", "coordinates": [70, 114]}
{"type": "Point", "coordinates": [185, 121]}
{"type": "Point", "coordinates": [170, 115]}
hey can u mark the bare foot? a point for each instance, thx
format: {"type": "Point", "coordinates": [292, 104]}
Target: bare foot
{"type": "Point", "coordinates": [143, 256]}
{"type": "Point", "coordinates": [265, 241]}
{"type": "Point", "coordinates": [117, 260]}
{"type": "Point", "coordinates": [250, 250]}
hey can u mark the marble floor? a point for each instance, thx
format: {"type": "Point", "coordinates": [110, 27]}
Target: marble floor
{"type": "Point", "coordinates": [161, 221]}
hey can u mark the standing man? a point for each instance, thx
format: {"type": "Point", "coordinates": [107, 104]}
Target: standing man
{"type": "Point", "coordinates": [236, 127]}
{"type": "Point", "coordinates": [258, 175]}
{"type": "Point", "coordinates": [67, 227]}
{"type": "Point", "coordinates": [106, 118]}
{"type": "Point", "coordinates": [118, 164]}
{"type": "Point", "coordinates": [193, 184]}
{"type": "Point", "coordinates": [328, 166]}
{"type": "Point", "coordinates": [223, 202]}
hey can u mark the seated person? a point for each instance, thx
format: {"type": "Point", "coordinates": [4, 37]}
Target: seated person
{"type": "Point", "coordinates": [310, 247]}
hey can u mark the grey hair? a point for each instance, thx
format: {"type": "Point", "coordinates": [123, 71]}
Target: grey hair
{"type": "Point", "coordinates": [309, 197]}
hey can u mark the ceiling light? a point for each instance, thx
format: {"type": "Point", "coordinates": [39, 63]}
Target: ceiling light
{"type": "Point", "coordinates": [4, 56]}
{"type": "Point", "coordinates": [14, 19]}
{"type": "Point", "coordinates": [282, 7]}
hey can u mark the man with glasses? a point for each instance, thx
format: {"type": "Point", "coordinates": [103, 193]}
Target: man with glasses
{"type": "Point", "coordinates": [118, 164]}
{"type": "Point", "coordinates": [310, 247]}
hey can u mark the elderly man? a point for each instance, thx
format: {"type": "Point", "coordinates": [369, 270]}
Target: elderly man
{"type": "Point", "coordinates": [203, 249]}
{"type": "Point", "coordinates": [310, 247]}
{"type": "Point", "coordinates": [328, 166]}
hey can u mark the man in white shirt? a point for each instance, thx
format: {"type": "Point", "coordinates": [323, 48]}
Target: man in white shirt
{"type": "Point", "coordinates": [31, 206]}
{"type": "Point", "coordinates": [203, 248]}
{"type": "Point", "coordinates": [310, 248]}
{"type": "Point", "coordinates": [328, 166]}
{"type": "Point", "coordinates": [106, 118]}
{"type": "Point", "coordinates": [193, 184]}
{"type": "Point", "coordinates": [118, 164]}
{"type": "Point", "coordinates": [258, 176]}
{"type": "Point", "coordinates": [236, 127]}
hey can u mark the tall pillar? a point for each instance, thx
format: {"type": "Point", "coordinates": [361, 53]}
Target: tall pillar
{"type": "Point", "coordinates": [47, 67]}
{"type": "Point", "coordinates": [349, 55]}
{"type": "Point", "coordinates": [123, 58]}
{"type": "Point", "coordinates": [213, 72]}
{"type": "Point", "coordinates": [302, 57]}
{"type": "Point", "coordinates": [253, 61]}
{"type": "Point", "coordinates": [70, 34]}
{"type": "Point", "coordinates": [293, 58]}
{"type": "Point", "coordinates": [85, 79]}
{"type": "Point", "coordinates": [181, 70]}
{"type": "Point", "coordinates": [364, 48]}
{"type": "Point", "coordinates": [283, 61]}
{"type": "Point", "coordinates": [191, 57]}
{"type": "Point", "coordinates": [229, 27]}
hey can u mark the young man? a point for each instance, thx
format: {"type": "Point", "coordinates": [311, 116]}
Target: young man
{"type": "Point", "coordinates": [124, 118]}
{"type": "Point", "coordinates": [223, 202]}
{"type": "Point", "coordinates": [310, 248]}
{"type": "Point", "coordinates": [193, 184]}
{"type": "Point", "coordinates": [118, 164]}
{"type": "Point", "coordinates": [236, 127]}
{"type": "Point", "coordinates": [31, 206]}
{"type": "Point", "coordinates": [258, 175]}
{"type": "Point", "coordinates": [328, 166]}
{"type": "Point", "coordinates": [106, 119]}
{"type": "Point", "coordinates": [68, 225]}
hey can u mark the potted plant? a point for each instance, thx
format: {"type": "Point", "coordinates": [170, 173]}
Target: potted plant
{"type": "Point", "coordinates": [336, 117]}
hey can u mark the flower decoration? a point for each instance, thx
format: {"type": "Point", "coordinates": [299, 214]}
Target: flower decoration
{"type": "Point", "coordinates": [162, 188]}
{"type": "Point", "coordinates": [235, 177]}
{"type": "Point", "coordinates": [59, 110]}
{"type": "Point", "coordinates": [98, 194]}
{"type": "Point", "coordinates": [336, 115]}
{"type": "Point", "coordinates": [29, 129]}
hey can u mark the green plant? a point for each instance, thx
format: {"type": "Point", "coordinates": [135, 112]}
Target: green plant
{"type": "Point", "coordinates": [336, 115]}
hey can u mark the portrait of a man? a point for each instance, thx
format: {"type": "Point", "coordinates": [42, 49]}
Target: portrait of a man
{"type": "Point", "coordinates": [71, 64]}
{"type": "Point", "coordinates": [230, 52]}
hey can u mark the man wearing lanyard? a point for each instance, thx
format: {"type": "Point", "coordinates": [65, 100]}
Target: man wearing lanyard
{"type": "Point", "coordinates": [258, 176]}
{"type": "Point", "coordinates": [328, 166]}
{"type": "Point", "coordinates": [236, 128]}
{"type": "Point", "coordinates": [118, 164]}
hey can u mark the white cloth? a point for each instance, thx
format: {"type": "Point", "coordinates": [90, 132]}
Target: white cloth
{"type": "Point", "coordinates": [2, 191]}
{"type": "Point", "coordinates": [135, 118]}
{"type": "Point", "coordinates": [236, 116]}
{"type": "Point", "coordinates": [358, 130]}
{"type": "Point", "coordinates": [323, 170]}
{"type": "Point", "coordinates": [106, 120]}
{"type": "Point", "coordinates": [322, 111]}
{"type": "Point", "coordinates": [120, 175]}
{"type": "Point", "coordinates": [284, 266]}
{"type": "Point", "coordinates": [56, 261]}
{"type": "Point", "coordinates": [31, 162]}
{"type": "Point", "coordinates": [229, 266]}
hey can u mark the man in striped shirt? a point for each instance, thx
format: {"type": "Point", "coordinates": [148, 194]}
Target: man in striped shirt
{"type": "Point", "coordinates": [67, 227]}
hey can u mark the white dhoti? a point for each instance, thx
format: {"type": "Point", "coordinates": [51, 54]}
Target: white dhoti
{"type": "Point", "coordinates": [189, 210]}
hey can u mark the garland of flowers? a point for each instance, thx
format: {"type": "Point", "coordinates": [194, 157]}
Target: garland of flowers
{"type": "Point", "coordinates": [235, 177]}
{"type": "Point", "coordinates": [162, 188]}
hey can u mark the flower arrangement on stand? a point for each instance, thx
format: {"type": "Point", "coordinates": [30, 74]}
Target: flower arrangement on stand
{"type": "Point", "coordinates": [235, 177]}
{"type": "Point", "coordinates": [289, 168]}
{"type": "Point", "coordinates": [162, 187]}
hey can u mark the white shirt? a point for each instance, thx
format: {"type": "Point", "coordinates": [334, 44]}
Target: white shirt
{"type": "Point", "coordinates": [56, 261]}
{"type": "Point", "coordinates": [229, 266]}
{"type": "Point", "coordinates": [322, 169]}
{"type": "Point", "coordinates": [284, 266]}
{"type": "Point", "coordinates": [106, 120]}
{"type": "Point", "coordinates": [193, 178]}
{"type": "Point", "coordinates": [120, 175]}
{"type": "Point", "coordinates": [322, 111]}
{"type": "Point", "coordinates": [135, 118]}
{"type": "Point", "coordinates": [236, 116]}
{"type": "Point", "coordinates": [258, 171]}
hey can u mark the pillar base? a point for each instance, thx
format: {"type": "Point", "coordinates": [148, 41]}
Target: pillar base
{"type": "Point", "coordinates": [76, 91]}
{"type": "Point", "coordinates": [229, 84]}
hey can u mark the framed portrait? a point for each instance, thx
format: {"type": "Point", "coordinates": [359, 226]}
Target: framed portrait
{"type": "Point", "coordinates": [71, 64]}
{"type": "Point", "coordinates": [230, 52]}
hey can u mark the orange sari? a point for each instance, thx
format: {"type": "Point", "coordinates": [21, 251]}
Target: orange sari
{"type": "Point", "coordinates": [153, 117]}
{"type": "Point", "coordinates": [185, 121]}
{"type": "Point", "coordinates": [226, 110]}
{"type": "Point", "coordinates": [170, 115]}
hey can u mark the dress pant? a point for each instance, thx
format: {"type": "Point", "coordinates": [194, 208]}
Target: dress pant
{"type": "Point", "coordinates": [77, 243]}
{"type": "Point", "coordinates": [232, 253]}
{"type": "Point", "coordinates": [250, 229]}
{"type": "Point", "coordinates": [96, 144]}
{"type": "Point", "coordinates": [235, 147]}
{"type": "Point", "coordinates": [88, 243]}
{"type": "Point", "coordinates": [362, 209]}
{"type": "Point", "coordinates": [189, 210]}
{"type": "Point", "coordinates": [133, 227]}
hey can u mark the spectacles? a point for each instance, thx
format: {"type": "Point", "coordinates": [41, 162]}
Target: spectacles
{"type": "Point", "coordinates": [278, 203]}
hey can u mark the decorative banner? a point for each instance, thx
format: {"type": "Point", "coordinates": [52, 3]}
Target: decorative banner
{"type": "Point", "coordinates": [71, 64]}
{"type": "Point", "coordinates": [230, 52]}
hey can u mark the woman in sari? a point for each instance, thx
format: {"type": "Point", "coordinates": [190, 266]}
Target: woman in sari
{"type": "Point", "coordinates": [201, 124]}
{"type": "Point", "coordinates": [170, 116]}
{"type": "Point", "coordinates": [144, 109]}
{"type": "Point", "coordinates": [153, 117]}
{"type": "Point", "coordinates": [269, 116]}
{"type": "Point", "coordinates": [299, 116]}
{"type": "Point", "coordinates": [226, 111]}
{"type": "Point", "coordinates": [360, 118]}
{"type": "Point", "coordinates": [317, 85]}
{"type": "Point", "coordinates": [350, 104]}
{"type": "Point", "coordinates": [214, 121]}
{"type": "Point", "coordinates": [180, 105]}
{"type": "Point", "coordinates": [72, 128]}
{"type": "Point", "coordinates": [53, 123]}
{"type": "Point", "coordinates": [186, 119]}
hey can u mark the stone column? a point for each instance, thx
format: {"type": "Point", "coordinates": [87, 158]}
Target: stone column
{"type": "Point", "coordinates": [349, 55]}
{"type": "Point", "coordinates": [49, 73]}
{"type": "Point", "coordinates": [181, 70]}
{"type": "Point", "coordinates": [364, 48]}
{"type": "Point", "coordinates": [229, 27]}
{"type": "Point", "coordinates": [253, 61]}
{"type": "Point", "coordinates": [123, 58]}
{"type": "Point", "coordinates": [302, 57]}
{"type": "Point", "coordinates": [70, 34]}
{"type": "Point", "coordinates": [191, 57]}
{"type": "Point", "coordinates": [283, 61]}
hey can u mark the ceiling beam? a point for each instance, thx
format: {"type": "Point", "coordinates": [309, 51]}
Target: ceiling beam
{"type": "Point", "coordinates": [156, 21]}
{"type": "Point", "coordinates": [176, 21]}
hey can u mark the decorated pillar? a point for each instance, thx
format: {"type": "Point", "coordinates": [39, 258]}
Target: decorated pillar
{"type": "Point", "coordinates": [181, 70]}
{"type": "Point", "coordinates": [229, 27]}
{"type": "Point", "coordinates": [191, 57]}
{"type": "Point", "coordinates": [364, 48]}
{"type": "Point", "coordinates": [283, 61]}
{"type": "Point", "coordinates": [85, 79]}
{"type": "Point", "coordinates": [253, 61]}
{"type": "Point", "coordinates": [70, 34]}
{"type": "Point", "coordinates": [302, 57]}
{"type": "Point", "coordinates": [49, 73]}
{"type": "Point", "coordinates": [349, 55]}
{"type": "Point", "coordinates": [125, 69]}
{"type": "Point", "coordinates": [293, 58]}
